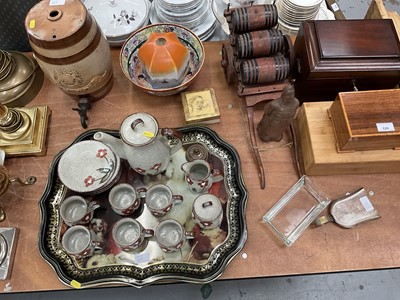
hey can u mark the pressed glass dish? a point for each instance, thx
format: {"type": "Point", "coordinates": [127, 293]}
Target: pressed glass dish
{"type": "Point", "coordinates": [292, 214]}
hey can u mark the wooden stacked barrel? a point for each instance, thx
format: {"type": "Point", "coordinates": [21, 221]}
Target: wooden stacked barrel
{"type": "Point", "coordinates": [259, 43]}
{"type": "Point", "coordinates": [258, 47]}
{"type": "Point", "coordinates": [254, 17]}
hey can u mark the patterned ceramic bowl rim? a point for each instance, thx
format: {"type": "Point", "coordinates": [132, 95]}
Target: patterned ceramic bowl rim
{"type": "Point", "coordinates": [133, 43]}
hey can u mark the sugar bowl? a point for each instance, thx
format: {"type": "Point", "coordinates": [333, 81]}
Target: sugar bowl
{"type": "Point", "coordinates": [207, 211]}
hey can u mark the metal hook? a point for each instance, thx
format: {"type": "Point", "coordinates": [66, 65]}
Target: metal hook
{"type": "Point", "coordinates": [354, 85]}
{"type": "Point", "coordinates": [2, 214]}
{"type": "Point", "coordinates": [29, 181]}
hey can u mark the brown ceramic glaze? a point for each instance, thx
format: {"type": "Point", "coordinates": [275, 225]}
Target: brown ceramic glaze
{"type": "Point", "coordinates": [278, 114]}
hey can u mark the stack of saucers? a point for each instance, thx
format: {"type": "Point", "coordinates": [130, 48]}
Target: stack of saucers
{"type": "Point", "coordinates": [292, 12]}
{"type": "Point", "coordinates": [195, 15]}
{"type": "Point", "coordinates": [118, 19]}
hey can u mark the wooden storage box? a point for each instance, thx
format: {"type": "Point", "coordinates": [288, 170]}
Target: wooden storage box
{"type": "Point", "coordinates": [317, 147]}
{"type": "Point", "coordinates": [366, 120]}
{"type": "Point", "coordinates": [334, 55]}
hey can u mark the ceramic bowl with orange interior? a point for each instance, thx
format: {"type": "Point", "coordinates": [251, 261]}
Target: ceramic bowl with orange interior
{"type": "Point", "coordinates": [152, 71]}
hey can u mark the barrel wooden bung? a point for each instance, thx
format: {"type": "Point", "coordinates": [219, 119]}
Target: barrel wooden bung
{"type": "Point", "coordinates": [70, 48]}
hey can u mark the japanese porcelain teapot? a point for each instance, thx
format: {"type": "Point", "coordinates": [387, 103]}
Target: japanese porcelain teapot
{"type": "Point", "coordinates": [142, 144]}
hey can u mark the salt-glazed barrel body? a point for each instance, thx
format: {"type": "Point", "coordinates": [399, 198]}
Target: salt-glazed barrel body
{"type": "Point", "coordinates": [70, 48]}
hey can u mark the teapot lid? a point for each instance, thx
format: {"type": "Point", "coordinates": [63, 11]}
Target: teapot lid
{"type": "Point", "coordinates": [139, 129]}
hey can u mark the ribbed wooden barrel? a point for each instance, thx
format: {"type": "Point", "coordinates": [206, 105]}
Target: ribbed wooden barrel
{"type": "Point", "coordinates": [254, 17]}
{"type": "Point", "coordinates": [259, 43]}
{"type": "Point", "coordinates": [70, 48]}
{"type": "Point", "coordinates": [264, 70]}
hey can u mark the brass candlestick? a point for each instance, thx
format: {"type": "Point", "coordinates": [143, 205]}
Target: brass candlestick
{"type": "Point", "coordinates": [23, 130]}
{"type": "Point", "coordinates": [5, 181]}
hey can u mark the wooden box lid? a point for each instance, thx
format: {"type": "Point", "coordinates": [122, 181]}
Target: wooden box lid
{"type": "Point", "coordinates": [348, 48]}
{"type": "Point", "coordinates": [357, 39]}
{"type": "Point", "coordinates": [366, 120]}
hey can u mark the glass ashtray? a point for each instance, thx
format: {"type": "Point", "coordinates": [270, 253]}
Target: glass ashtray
{"type": "Point", "coordinates": [297, 209]}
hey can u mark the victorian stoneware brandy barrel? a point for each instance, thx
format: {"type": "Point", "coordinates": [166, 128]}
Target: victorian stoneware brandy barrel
{"type": "Point", "coordinates": [254, 17]}
{"type": "Point", "coordinates": [70, 48]}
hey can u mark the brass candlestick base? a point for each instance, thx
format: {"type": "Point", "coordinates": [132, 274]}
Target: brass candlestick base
{"type": "Point", "coordinates": [23, 130]}
{"type": "Point", "coordinates": [5, 181]}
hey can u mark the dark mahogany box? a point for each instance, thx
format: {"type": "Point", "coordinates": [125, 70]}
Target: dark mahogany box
{"type": "Point", "coordinates": [335, 56]}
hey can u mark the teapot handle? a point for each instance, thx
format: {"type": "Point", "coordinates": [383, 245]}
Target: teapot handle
{"type": "Point", "coordinates": [170, 134]}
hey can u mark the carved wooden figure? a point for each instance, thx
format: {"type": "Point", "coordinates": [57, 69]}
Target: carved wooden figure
{"type": "Point", "coordinates": [278, 114]}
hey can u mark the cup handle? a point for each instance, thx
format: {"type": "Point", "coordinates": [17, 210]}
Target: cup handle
{"type": "Point", "coordinates": [148, 232]}
{"type": "Point", "coordinates": [170, 133]}
{"type": "Point", "coordinates": [189, 235]}
{"type": "Point", "coordinates": [142, 192]}
{"type": "Point", "coordinates": [97, 245]}
{"type": "Point", "coordinates": [217, 175]}
{"type": "Point", "coordinates": [94, 204]}
{"type": "Point", "coordinates": [178, 199]}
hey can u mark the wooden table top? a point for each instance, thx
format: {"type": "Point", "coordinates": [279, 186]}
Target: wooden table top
{"type": "Point", "coordinates": [372, 245]}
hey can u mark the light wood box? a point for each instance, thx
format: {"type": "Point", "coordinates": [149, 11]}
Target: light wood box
{"type": "Point", "coordinates": [317, 147]}
{"type": "Point", "coordinates": [366, 120]}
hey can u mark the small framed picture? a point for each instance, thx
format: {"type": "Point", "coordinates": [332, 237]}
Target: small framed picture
{"type": "Point", "coordinates": [200, 107]}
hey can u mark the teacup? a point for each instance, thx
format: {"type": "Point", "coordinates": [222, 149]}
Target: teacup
{"type": "Point", "coordinates": [76, 210]}
{"type": "Point", "coordinates": [80, 242]}
{"type": "Point", "coordinates": [170, 235]}
{"type": "Point", "coordinates": [199, 176]}
{"type": "Point", "coordinates": [207, 211]}
{"type": "Point", "coordinates": [160, 199]}
{"type": "Point", "coordinates": [124, 199]}
{"type": "Point", "coordinates": [129, 234]}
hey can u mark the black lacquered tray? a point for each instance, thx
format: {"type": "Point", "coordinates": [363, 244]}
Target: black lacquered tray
{"type": "Point", "coordinates": [200, 260]}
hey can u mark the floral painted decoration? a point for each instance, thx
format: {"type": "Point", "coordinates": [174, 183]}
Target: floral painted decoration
{"type": "Point", "coordinates": [104, 172]}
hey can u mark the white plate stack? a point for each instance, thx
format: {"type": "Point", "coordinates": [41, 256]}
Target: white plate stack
{"type": "Point", "coordinates": [118, 19]}
{"type": "Point", "coordinates": [292, 12]}
{"type": "Point", "coordinates": [195, 15]}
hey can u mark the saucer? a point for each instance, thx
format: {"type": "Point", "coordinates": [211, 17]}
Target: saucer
{"type": "Point", "coordinates": [89, 167]}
